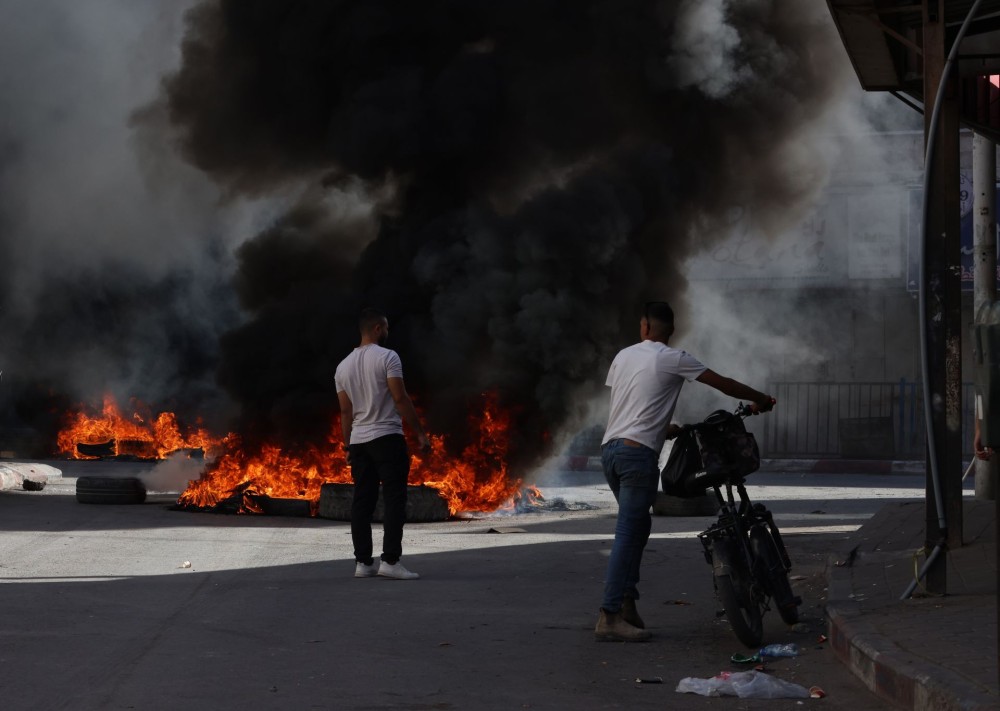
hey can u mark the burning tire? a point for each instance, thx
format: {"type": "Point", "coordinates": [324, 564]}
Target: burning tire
{"type": "Point", "coordinates": [285, 507]}
{"type": "Point", "coordinates": [110, 490]}
{"type": "Point", "coordinates": [423, 504]}
{"type": "Point", "coordinates": [704, 505]}
{"type": "Point", "coordinates": [96, 449]}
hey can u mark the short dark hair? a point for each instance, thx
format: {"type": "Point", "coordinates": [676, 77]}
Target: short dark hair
{"type": "Point", "coordinates": [659, 311]}
{"type": "Point", "coordinates": [369, 318]}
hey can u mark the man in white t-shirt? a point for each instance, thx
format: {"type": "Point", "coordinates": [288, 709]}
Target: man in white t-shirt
{"type": "Point", "coordinates": [645, 380]}
{"type": "Point", "coordinates": [373, 405]}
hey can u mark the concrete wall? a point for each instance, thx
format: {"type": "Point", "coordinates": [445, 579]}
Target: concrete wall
{"type": "Point", "coordinates": [840, 287]}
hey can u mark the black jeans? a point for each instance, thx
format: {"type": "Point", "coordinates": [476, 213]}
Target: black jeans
{"type": "Point", "coordinates": [384, 460]}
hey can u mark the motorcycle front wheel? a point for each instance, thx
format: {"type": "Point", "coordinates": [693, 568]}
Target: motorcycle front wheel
{"type": "Point", "coordinates": [733, 586]}
{"type": "Point", "coordinates": [773, 571]}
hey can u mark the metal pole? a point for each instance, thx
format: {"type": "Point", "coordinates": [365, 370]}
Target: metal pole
{"type": "Point", "coordinates": [984, 249]}
{"type": "Point", "coordinates": [934, 570]}
{"type": "Point", "coordinates": [931, 295]}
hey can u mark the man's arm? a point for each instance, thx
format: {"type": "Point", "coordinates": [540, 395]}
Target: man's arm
{"type": "Point", "coordinates": [346, 416]}
{"type": "Point", "coordinates": [982, 452]}
{"type": "Point", "coordinates": [734, 388]}
{"type": "Point", "coordinates": [404, 406]}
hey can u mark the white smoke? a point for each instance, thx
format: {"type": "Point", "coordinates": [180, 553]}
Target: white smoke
{"type": "Point", "coordinates": [704, 48]}
{"type": "Point", "coordinates": [173, 474]}
{"type": "Point", "coordinates": [794, 330]}
{"type": "Point", "coordinates": [117, 254]}
{"type": "Point", "coordinates": [72, 194]}
{"type": "Point", "coordinates": [85, 201]}
{"type": "Point", "coordinates": [780, 305]}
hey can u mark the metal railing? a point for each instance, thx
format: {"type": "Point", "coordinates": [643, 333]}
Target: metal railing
{"type": "Point", "coordinates": [874, 420]}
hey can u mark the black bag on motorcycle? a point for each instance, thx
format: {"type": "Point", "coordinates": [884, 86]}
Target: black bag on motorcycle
{"type": "Point", "coordinates": [727, 449]}
{"type": "Point", "coordinates": [683, 463]}
{"type": "Point", "coordinates": [718, 449]}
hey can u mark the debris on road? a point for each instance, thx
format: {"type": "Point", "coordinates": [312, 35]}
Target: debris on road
{"type": "Point", "coordinates": [745, 685]}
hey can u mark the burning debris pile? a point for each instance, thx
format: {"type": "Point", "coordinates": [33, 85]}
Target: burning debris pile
{"type": "Point", "coordinates": [109, 434]}
{"type": "Point", "coordinates": [239, 481]}
{"type": "Point", "coordinates": [477, 480]}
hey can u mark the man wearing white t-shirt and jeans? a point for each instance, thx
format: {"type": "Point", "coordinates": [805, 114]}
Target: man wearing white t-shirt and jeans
{"type": "Point", "coordinates": [373, 404]}
{"type": "Point", "coordinates": [645, 380]}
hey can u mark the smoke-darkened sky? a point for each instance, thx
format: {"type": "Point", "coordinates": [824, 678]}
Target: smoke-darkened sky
{"type": "Point", "coordinates": [195, 202]}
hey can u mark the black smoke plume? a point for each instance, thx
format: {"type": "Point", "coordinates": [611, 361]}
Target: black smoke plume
{"type": "Point", "coordinates": [510, 181]}
{"type": "Point", "coordinates": [535, 170]}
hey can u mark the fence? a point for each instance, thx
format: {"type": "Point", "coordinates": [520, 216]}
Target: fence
{"type": "Point", "coordinates": [853, 420]}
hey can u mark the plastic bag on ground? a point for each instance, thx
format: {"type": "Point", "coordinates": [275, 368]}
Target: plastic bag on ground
{"type": "Point", "coordinates": [716, 686]}
{"type": "Point", "coordinates": [779, 650]}
{"type": "Point", "coordinates": [745, 685]}
{"type": "Point", "coordinates": [765, 686]}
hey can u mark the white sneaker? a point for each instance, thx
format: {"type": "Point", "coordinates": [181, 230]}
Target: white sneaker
{"type": "Point", "coordinates": [366, 571]}
{"type": "Point", "coordinates": [396, 571]}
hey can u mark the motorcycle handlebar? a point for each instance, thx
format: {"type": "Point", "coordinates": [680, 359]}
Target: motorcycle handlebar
{"type": "Point", "coordinates": [744, 410]}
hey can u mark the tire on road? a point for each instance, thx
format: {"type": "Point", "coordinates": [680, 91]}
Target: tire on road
{"type": "Point", "coordinates": [110, 490]}
{"type": "Point", "coordinates": [423, 504]}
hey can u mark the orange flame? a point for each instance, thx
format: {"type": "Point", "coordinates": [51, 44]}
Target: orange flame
{"type": "Point", "coordinates": [270, 473]}
{"type": "Point", "coordinates": [139, 435]}
{"type": "Point", "coordinates": [478, 480]}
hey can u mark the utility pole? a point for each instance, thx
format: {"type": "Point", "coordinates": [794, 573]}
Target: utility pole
{"type": "Point", "coordinates": [943, 312]}
{"type": "Point", "coordinates": [984, 243]}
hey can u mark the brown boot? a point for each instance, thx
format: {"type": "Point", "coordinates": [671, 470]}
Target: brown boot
{"type": "Point", "coordinates": [611, 627]}
{"type": "Point", "coordinates": [630, 614]}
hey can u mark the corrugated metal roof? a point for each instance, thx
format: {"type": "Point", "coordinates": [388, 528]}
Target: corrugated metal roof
{"type": "Point", "coordinates": [883, 40]}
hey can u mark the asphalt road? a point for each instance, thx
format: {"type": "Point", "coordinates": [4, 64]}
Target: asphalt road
{"type": "Point", "coordinates": [99, 610]}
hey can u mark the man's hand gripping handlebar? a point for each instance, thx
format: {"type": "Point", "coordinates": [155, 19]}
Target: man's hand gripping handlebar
{"type": "Point", "coordinates": [756, 408]}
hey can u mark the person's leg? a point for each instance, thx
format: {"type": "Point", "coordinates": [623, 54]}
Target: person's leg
{"type": "Point", "coordinates": [618, 619]}
{"type": "Point", "coordinates": [608, 452]}
{"type": "Point", "coordinates": [608, 465]}
{"type": "Point", "coordinates": [634, 471]}
{"type": "Point", "coordinates": [393, 464]}
{"type": "Point", "coordinates": [365, 476]}
{"type": "Point", "coordinates": [645, 496]}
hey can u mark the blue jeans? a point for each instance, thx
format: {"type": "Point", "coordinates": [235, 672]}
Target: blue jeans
{"type": "Point", "coordinates": [633, 475]}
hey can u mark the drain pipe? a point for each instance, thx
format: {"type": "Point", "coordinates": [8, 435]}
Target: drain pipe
{"type": "Point", "coordinates": [925, 366]}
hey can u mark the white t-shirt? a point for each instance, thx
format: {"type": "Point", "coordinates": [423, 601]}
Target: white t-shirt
{"type": "Point", "coordinates": [645, 380]}
{"type": "Point", "coordinates": [364, 376]}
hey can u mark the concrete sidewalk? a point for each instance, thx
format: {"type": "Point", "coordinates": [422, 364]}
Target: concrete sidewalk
{"type": "Point", "coordinates": [928, 652]}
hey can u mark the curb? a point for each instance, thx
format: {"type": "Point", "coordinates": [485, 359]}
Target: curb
{"type": "Point", "coordinates": [886, 669]}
